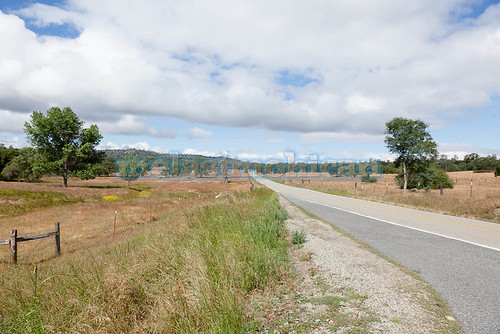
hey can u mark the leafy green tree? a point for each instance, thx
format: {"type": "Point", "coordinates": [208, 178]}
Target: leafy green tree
{"type": "Point", "coordinates": [389, 167]}
{"type": "Point", "coordinates": [411, 141]}
{"type": "Point", "coordinates": [488, 163]}
{"type": "Point", "coordinates": [6, 156]}
{"type": "Point", "coordinates": [108, 167]}
{"type": "Point", "coordinates": [469, 159]}
{"type": "Point", "coordinates": [427, 177]}
{"type": "Point", "coordinates": [67, 148]}
{"type": "Point", "coordinates": [28, 165]}
{"type": "Point", "coordinates": [131, 169]}
{"type": "Point", "coordinates": [446, 164]}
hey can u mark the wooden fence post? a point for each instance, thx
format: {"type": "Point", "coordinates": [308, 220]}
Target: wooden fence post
{"type": "Point", "coordinates": [13, 247]}
{"type": "Point", "coordinates": [114, 224]}
{"type": "Point", "coordinates": [58, 240]}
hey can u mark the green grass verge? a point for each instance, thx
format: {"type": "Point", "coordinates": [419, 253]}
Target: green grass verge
{"type": "Point", "coordinates": [189, 276]}
{"type": "Point", "coordinates": [13, 202]}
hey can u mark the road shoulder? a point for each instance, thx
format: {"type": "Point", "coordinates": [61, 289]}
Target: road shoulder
{"type": "Point", "coordinates": [350, 287]}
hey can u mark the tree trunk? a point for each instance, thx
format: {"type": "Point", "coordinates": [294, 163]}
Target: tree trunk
{"type": "Point", "coordinates": [405, 177]}
{"type": "Point", "coordinates": [65, 175]}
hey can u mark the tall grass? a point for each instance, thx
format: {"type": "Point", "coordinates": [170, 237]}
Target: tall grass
{"type": "Point", "coordinates": [185, 276]}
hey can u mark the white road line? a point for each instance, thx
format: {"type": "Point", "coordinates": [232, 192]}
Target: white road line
{"type": "Point", "coordinates": [392, 223]}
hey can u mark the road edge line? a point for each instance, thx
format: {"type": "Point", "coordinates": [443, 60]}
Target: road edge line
{"type": "Point", "coordinates": [396, 224]}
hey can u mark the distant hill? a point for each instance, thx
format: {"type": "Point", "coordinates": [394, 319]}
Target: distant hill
{"type": "Point", "coordinates": [144, 154]}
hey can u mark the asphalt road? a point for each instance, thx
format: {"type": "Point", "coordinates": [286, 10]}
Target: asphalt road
{"type": "Point", "coordinates": [459, 257]}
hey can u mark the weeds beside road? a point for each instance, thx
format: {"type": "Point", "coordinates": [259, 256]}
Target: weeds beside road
{"type": "Point", "coordinates": [183, 276]}
{"type": "Point", "coordinates": [188, 257]}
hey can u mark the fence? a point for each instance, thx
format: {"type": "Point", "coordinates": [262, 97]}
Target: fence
{"type": "Point", "coordinates": [14, 239]}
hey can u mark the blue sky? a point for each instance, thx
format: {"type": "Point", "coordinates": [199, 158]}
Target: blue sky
{"type": "Point", "coordinates": [254, 79]}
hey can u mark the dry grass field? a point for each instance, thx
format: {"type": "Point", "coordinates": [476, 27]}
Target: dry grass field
{"type": "Point", "coordinates": [484, 203]}
{"type": "Point", "coordinates": [185, 257]}
{"type": "Point", "coordinates": [192, 256]}
{"type": "Point", "coordinates": [86, 216]}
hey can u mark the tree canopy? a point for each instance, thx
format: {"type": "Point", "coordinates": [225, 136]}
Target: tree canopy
{"type": "Point", "coordinates": [6, 156]}
{"type": "Point", "coordinates": [66, 147]}
{"type": "Point", "coordinates": [411, 141]}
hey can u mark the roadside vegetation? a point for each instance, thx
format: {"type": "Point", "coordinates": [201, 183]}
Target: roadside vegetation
{"type": "Point", "coordinates": [183, 273]}
{"type": "Point", "coordinates": [192, 256]}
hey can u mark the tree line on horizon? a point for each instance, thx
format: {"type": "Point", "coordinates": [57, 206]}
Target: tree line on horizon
{"type": "Point", "coordinates": [61, 146]}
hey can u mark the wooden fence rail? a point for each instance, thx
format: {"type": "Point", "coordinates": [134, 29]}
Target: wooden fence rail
{"type": "Point", "coordinates": [14, 239]}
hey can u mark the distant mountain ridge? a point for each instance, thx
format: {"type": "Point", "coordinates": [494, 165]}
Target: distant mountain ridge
{"type": "Point", "coordinates": [117, 154]}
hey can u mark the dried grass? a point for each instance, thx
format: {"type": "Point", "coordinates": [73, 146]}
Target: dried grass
{"type": "Point", "coordinates": [90, 221]}
{"type": "Point", "coordinates": [187, 272]}
{"type": "Point", "coordinates": [484, 203]}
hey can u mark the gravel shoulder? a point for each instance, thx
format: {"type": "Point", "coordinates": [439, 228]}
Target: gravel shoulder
{"type": "Point", "coordinates": [349, 288]}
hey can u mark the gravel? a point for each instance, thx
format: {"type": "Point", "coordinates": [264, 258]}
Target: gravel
{"type": "Point", "coordinates": [393, 300]}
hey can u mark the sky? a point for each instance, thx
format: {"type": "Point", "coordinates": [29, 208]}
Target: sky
{"type": "Point", "coordinates": [256, 79]}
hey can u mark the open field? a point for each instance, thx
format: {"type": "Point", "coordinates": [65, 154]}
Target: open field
{"type": "Point", "coordinates": [188, 256]}
{"type": "Point", "coordinates": [484, 203]}
{"type": "Point", "coordinates": [86, 217]}
{"type": "Point", "coordinates": [187, 270]}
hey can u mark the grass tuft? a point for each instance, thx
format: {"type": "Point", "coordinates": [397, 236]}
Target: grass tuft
{"type": "Point", "coordinates": [298, 237]}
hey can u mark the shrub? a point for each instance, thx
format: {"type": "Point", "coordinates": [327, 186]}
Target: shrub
{"type": "Point", "coordinates": [368, 179]}
{"type": "Point", "coordinates": [429, 178]}
{"type": "Point", "coordinates": [298, 237]}
{"type": "Point", "coordinates": [497, 171]}
{"type": "Point", "coordinates": [10, 172]}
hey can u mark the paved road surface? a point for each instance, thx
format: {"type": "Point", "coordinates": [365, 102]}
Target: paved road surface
{"type": "Point", "coordinates": [459, 257]}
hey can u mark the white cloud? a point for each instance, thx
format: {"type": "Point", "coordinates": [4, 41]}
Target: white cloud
{"type": "Point", "coordinates": [12, 121]}
{"type": "Point", "coordinates": [365, 156]}
{"type": "Point", "coordinates": [216, 62]}
{"type": "Point", "coordinates": [139, 146]}
{"type": "Point", "coordinates": [43, 15]}
{"type": "Point", "coordinates": [15, 141]}
{"type": "Point", "coordinates": [319, 137]}
{"type": "Point", "coordinates": [358, 104]}
{"type": "Point", "coordinates": [275, 140]}
{"type": "Point", "coordinates": [280, 156]}
{"type": "Point", "coordinates": [198, 133]}
{"type": "Point", "coordinates": [133, 125]}
{"type": "Point", "coordinates": [126, 125]}
{"type": "Point", "coordinates": [241, 155]}
{"type": "Point", "coordinates": [462, 149]}
{"type": "Point", "coordinates": [161, 133]}
{"type": "Point", "coordinates": [197, 152]}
